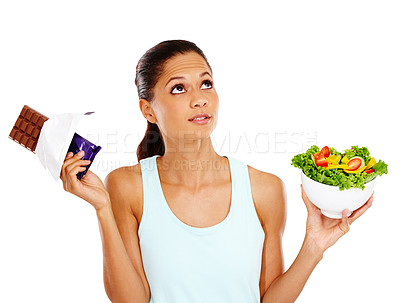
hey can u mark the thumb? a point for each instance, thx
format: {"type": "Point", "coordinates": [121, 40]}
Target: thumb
{"type": "Point", "coordinates": [344, 224]}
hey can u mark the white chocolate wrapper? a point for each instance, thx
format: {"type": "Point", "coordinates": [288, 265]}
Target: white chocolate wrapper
{"type": "Point", "coordinates": [54, 140]}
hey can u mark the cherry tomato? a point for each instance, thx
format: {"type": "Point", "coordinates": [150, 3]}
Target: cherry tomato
{"type": "Point", "coordinates": [318, 156]}
{"type": "Point", "coordinates": [325, 151]}
{"type": "Point", "coordinates": [321, 162]}
{"type": "Point", "coordinates": [354, 164]}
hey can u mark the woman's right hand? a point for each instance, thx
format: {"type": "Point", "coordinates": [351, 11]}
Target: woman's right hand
{"type": "Point", "coordinates": [90, 187]}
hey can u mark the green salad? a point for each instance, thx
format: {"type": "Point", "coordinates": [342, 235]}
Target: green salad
{"type": "Point", "coordinates": [353, 168]}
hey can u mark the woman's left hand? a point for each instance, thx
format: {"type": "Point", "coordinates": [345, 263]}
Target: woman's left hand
{"type": "Point", "coordinates": [324, 231]}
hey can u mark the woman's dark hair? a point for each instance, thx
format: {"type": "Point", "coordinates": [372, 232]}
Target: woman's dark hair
{"type": "Point", "coordinates": [148, 72]}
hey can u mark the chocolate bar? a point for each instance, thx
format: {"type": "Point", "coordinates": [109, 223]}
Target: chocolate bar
{"type": "Point", "coordinates": [27, 128]}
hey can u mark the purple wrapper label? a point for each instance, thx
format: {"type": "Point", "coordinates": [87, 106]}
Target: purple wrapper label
{"type": "Point", "coordinates": [79, 143]}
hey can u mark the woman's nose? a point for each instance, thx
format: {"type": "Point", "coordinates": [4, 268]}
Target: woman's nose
{"type": "Point", "coordinates": [198, 101]}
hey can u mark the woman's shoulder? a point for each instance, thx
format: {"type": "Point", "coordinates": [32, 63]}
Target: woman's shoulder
{"type": "Point", "coordinates": [264, 178]}
{"type": "Point", "coordinates": [124, 185]}
{"type": "Point", "coordinates": [124, 177]}
{"type": "Point", "coordinates": [268, 191]}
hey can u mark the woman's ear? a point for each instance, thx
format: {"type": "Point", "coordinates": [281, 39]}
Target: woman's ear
{"type": "Point", "coordinates": [147, 111]}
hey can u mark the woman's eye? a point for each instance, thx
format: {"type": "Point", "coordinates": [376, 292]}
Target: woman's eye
{"type": "Point", "coordinates": [207, 84]}
{"type": "Point", "coordinates": [178, 89]}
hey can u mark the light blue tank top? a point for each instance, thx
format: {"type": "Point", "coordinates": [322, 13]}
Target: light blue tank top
{"type": "Point", "coordinates": [186, 264]}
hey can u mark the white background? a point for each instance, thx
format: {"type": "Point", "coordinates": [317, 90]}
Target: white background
{"type": "Point", "coordinates": [288, 74]}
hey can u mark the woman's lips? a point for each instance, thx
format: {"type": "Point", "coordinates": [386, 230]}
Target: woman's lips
{"type": "Point", "coordinates": [203, 121]}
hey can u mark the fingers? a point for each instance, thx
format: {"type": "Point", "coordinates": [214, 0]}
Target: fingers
{"type": "Point", "coordinates": [357, 213]}
{"type": "Point", "coordinates": [76, 168]}
{"type": "Point", "coordinates": [70, 159]}
{"type": "Point", "coordinates": [71, 166]}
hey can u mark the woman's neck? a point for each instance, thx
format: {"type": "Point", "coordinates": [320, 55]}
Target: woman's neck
{"type": "Point", "coordinates": [191, 163]}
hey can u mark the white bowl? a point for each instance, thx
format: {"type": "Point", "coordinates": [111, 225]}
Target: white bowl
{"type": "Point", "coordinates": [333, 201]}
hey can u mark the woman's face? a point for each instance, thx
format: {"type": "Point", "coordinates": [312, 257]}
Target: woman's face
{"type": "Point", "coordinates": [185, 89]}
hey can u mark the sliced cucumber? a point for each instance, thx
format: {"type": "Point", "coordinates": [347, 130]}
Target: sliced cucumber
{"type": "Point", "coordinates": [313, 158]}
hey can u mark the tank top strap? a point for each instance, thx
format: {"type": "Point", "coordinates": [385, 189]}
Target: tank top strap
{"type": "Point", "coordinates": [242, 189]}
{"type": "Point", "coordinates": [148, 167]}
{"type": "Point", "coordinates": [240, 174]}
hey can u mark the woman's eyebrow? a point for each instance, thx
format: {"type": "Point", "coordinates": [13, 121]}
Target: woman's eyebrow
{"type": "Point", "coordinates": [205, 73]}
{"type": "Point", "coordinates": [174, 78]}
{"type": "Point", "coordinates": [180, 78]}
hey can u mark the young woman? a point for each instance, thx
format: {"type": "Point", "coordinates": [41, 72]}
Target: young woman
{"type": "Point", "coordinates": [186, 224]}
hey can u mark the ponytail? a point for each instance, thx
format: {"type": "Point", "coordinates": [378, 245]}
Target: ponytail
{"type": "Point", "coordinates": [152, 143]}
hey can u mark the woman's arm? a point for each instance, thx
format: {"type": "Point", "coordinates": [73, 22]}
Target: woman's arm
{"type": "Point", "coordinates": [123, 282]}
{"type": "Point", "coordinates": [124, 277]}
{"type": "Point", "coordinates": [288, 286]}
{"type": "Point", "coordinates": [277, 286]}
